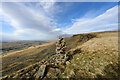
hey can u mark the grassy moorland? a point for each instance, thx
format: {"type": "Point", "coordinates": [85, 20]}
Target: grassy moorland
{"type": "Point", "coordinates": [96, 58]}
{"type": "Point", "coordinates": [94, 55]}
{"type": "Point", "coordinates": [13, 61]}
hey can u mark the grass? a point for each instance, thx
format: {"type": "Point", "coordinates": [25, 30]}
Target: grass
{"type": "Point", "coordinates": [25, 58]}
{"type": "Point", "coordinates": [93, 55]}
{"type": "Point", "coordinates": [89, 64]}
{"type": "Point", "coordinates": [98, 58]}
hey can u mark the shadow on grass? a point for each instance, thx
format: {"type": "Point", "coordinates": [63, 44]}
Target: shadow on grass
{"type": "Point", "coordinates": [111, 72]}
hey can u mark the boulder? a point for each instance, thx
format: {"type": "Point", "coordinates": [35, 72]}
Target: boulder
{"type": "Point", "coordinates": [67, 63]}
{"type": "Point", "coordinates": [40, 73]}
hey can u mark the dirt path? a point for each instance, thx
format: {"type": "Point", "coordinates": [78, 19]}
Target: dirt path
{"type": "Point", "coordinates": [12, 53]}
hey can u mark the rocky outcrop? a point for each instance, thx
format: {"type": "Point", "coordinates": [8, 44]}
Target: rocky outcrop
{"type": "Point", "coordinates": [40, 73]}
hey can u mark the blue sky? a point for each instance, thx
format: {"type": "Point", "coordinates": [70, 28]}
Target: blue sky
{"type": "Point", "coordinates": [46, 21]}
{"type": "Point", "coordinates": [77, 10]}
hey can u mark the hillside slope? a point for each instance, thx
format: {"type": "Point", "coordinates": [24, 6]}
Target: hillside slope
{"type": "Point", "coordinates": [91, 55]}
{"type": "Point", "coordinates": [14, 61]}
{"type": "Point", "coordinates": [98, 58]}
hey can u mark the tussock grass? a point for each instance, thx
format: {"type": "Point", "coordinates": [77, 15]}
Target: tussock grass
{"type": "Point", "coordinates": [93, 55]}
{"type": "Point", "coordinates": [98, 58]}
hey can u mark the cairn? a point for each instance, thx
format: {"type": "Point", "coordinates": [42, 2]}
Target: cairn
{"type": "Point", "coordinates": [60, 46]}
{"type": "Point", "coordinates": [60, 50]}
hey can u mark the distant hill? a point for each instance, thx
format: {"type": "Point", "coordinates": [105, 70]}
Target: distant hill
{"type": "Point", "coordinates": [92, 55]}
{"type": "Point", "coordinates": [8, 46]}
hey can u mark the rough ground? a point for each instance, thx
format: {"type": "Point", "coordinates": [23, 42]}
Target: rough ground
{"type": "Point", "coordinates": [93, 55]}
{"type": "Point", "coordinates": [98, 58]}
{"type": "Point", "coordinates": [17, 60]}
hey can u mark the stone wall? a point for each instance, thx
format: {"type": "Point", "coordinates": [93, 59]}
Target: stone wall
{"type": "Point", "coordinates": [38, 70]}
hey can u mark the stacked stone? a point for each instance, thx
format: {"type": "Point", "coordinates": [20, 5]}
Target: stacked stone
{"type": "Point", "coordinates": [60, 50]}
{"type": "Point", "coordinates": [60, 46]}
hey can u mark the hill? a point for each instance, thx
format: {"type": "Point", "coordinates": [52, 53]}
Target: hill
{"type": "Point", "coordinates": [9, 46]}
{"type": "Point", "coordinates": [91, 55]}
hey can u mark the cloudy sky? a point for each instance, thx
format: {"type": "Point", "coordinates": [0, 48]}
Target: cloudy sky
{"type": "Point", "coordinates": [48, 20]}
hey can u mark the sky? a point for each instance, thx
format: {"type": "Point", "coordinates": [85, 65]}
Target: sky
{"type": "Point", "coordinates": [48, 20]}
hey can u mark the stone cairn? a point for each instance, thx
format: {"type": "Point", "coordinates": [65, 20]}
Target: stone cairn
{"type": "Point", "coordinates": [38, 70]}
{"type": "Point", "coordinates": [60, 50]}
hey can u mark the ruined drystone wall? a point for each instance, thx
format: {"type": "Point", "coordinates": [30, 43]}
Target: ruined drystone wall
{"type": "Point", "coordinates": [40, 70]}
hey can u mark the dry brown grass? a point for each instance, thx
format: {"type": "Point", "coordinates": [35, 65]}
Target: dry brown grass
{"type": "Point", "coordinates": [95, 55]}
{"type": "Point", "coordinates": [16, 60]}
{"type": "Point", "coordinates": [98, 58]}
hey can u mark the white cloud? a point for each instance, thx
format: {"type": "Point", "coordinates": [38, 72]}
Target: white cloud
{"type": "Point", "coordinates": [22, 17]}
{"type": "Point", "coordinates": [32, 34]}
{"type": "Point", "coordinates": [102, 22]}
{"type": "Point", "coordinates": [29, 24]}
{"type": "Point", "coordinates": [57, 29]}
{"type": "Point", "coordinates": [48, 6]}
{"type": "Point", "coordinates": [35, 22]}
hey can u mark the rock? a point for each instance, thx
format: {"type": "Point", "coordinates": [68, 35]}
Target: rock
{"type": "Point", "coordinates": [4, 78]}
{"type": "Point", "coordinates": [23, 76]}
{"type": "Point", "coordinates": [27, 75]}
{"type": "Point", "coordinates": [40, 73]}
{"type": "Point", "coordinates": [61, 57]}
{"type": "Point", "coordinates": [20, 74]}
{"type": "Point", "coordinates": [60, 46]}
{"type": "Point", "coordinates": [33, 71]}
{"type": "Point", "coordinates": [66, 58]}
{"type": "Point", "coordinates": [16, 76]}
{"type": "Point", "coordinates": [67, 63]}
{"type": "Point", "coordinates": [77, 59]}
